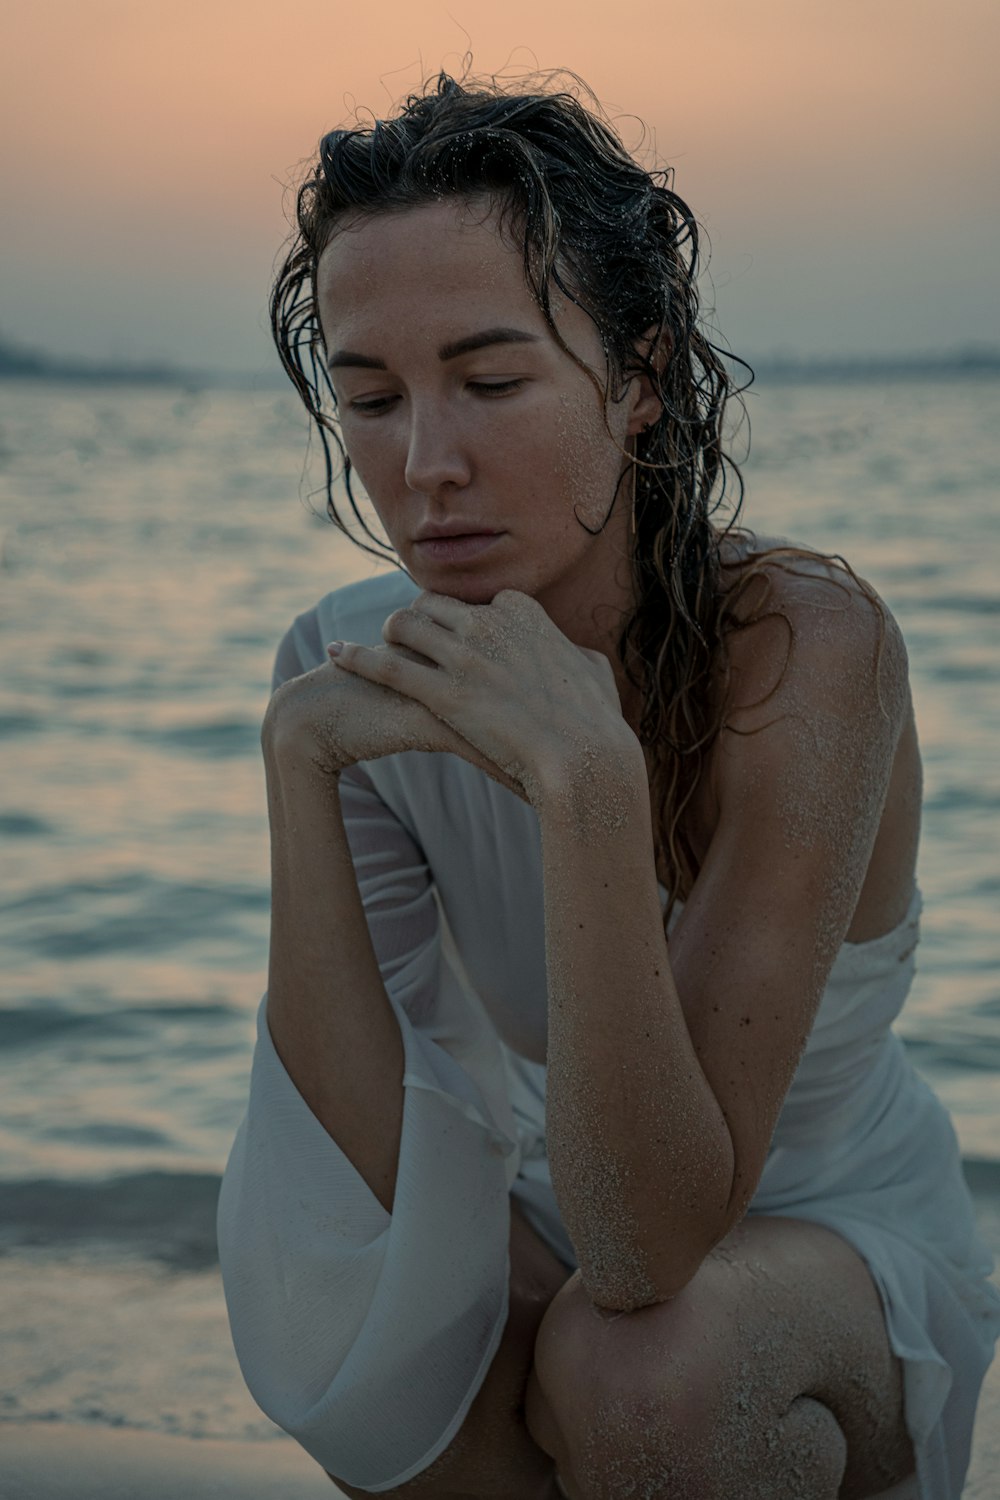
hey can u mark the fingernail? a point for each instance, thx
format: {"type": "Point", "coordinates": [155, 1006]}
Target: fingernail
{"type": "Point", "coordinates": [335, 648]}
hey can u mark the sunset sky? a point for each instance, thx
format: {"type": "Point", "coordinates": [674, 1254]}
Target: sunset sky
{"type": "Point", "coordinates": [842, 156]}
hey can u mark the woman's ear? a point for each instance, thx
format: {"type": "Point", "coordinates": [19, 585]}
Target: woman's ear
{"type": "Point", "coordinates": [645, 407]}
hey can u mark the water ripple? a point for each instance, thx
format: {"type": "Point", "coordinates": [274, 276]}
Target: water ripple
{"type": "Point", "coordinates": [164, 1216]}
{"type": "Point", "coordinates": [127, 913]}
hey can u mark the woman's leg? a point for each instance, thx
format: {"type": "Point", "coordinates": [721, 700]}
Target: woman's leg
{"type": "Point", "coordinates": [493, 1456]}
{"type": "Point", "coordinates": [769, 1375]}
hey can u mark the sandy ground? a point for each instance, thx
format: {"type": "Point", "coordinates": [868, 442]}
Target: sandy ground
{"type": "Point", "coordinates": [61, 1461]}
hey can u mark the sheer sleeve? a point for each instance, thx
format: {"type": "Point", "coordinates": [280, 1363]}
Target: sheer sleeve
{"type": "Point", "coordinates": [364, 1334]}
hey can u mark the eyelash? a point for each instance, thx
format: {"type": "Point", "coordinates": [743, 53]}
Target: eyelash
{"type": "Point", "coordinates": [491, 389]}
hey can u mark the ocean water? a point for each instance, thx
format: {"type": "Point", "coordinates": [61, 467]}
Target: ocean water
{"type": "Point", "coordinates": [154, 545]}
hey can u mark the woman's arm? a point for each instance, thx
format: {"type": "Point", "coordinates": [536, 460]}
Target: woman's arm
{"type": "Point", "coordinates": [328, 1013]}
{"type": "Point", "coordinates": [667, 1070]}
{"type": "Point", "coordinates": [639, 1149]}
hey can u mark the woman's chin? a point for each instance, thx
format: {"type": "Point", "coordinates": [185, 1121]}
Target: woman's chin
{"type": "Point", "coordinates": [464, 587]}
{"type": "Point", "coordinates": [471, 592]}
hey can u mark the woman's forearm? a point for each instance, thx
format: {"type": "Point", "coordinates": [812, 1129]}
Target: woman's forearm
{"type": "Point", "coordinates": [328, 1013]}
{"type": "Point", "coordinates": [640, 1152]}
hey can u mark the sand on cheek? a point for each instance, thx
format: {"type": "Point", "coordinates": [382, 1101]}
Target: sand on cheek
{"type": "Point", "coordinates": [588, 458]}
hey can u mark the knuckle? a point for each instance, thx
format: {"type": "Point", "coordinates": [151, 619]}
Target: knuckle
{"type": "Point", "coordinates": [405, 622]}
{"type": "Point", "coordinates": [515, 599]}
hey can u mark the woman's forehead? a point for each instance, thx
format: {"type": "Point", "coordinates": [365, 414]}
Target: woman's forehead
{"type": "Point", "coordinates": [444, 260]}
{"type": "Point", "coordinates": [434, 242]}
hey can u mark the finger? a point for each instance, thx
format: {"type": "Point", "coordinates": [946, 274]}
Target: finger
{"type": "Point", "coordinates": [420, 632]}
{"type": "Point", "coordinates": [402, 671]}
{"type": "Point", "coordinates": [451, 613]}
{"type": "Point", "coordinates": [411, 655]}
{"type": "Point", "coordinates": [335, 648]}
{"type": "Point", "coordinates": [435, 732]}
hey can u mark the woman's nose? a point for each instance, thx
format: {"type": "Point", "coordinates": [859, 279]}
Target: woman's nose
{"type": "Point", "coordinates": [435, 455]}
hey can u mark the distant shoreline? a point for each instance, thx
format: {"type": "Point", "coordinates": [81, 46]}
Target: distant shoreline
{"type": "Point", "coordinates": [24, 364]}
{"type": "Point", "coordinates": [960, 362]}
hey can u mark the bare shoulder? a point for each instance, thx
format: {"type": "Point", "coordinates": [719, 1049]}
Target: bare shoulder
{"type": "Point", "coordinates": [804, 630]}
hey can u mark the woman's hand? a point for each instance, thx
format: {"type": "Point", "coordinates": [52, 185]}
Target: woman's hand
{"type": "Point", "coordinates": [333, 719]}
{"type": "Point", "coordinates": [504, 678]}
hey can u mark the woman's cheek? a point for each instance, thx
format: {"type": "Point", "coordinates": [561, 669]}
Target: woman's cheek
{"type": "Point", "coordinates": [371, 462]}
{"type": "Point", "coordinates": [371, 476]}
{"type": "Point", "coordinates": [587, 459]}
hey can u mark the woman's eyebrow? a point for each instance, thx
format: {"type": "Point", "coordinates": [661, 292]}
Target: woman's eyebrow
{"type": "Point", "coordinates": [341, 358]}
{"type": "Point", "coordinates": [475, 341]}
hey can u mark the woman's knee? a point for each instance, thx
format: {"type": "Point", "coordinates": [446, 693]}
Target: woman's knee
{"type": "Point", "coordinates": [650, 1409]}
{"type": "Point", "coordinates": [615, 1395]}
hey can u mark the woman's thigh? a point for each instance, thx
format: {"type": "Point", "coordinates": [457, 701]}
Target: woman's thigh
{"type": "Point", "coordinates": [780, 1309]}
{"type": "Point", "coordinates": [493, 1454]}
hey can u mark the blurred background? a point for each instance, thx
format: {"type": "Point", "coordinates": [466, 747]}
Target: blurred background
{"type": "Point", "coordinates": [160, 525]}
{"type": "Point", "coordinates": [841, 156]}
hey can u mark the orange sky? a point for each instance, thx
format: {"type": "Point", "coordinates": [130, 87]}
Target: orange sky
{"type": "Point", "coordinates": [843, 155]}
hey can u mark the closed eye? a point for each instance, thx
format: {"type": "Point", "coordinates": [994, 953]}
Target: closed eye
{"type": "Point", "coordinates": [495, 387]}
{"type": "Point", "coordinates": [372, 406]}
{"type": "Point", "coordinates": [487, 388]}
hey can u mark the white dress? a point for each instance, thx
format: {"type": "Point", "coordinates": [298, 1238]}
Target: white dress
{"type": "Point", "coordinates": [367, 1335]}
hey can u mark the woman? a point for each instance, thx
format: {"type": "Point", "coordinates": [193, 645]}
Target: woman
{"type": "Point", "coordinates": [557, 1178]}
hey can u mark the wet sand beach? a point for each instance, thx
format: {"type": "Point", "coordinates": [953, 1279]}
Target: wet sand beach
{"type": "Point", "coordinates": [48, 1461]}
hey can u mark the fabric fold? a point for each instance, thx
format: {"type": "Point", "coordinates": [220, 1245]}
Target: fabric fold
{"type": "Point", "coordinates": [366, 1335]}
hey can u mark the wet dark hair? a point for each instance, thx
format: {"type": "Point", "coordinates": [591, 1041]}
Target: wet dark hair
{"type": "Point", "coordinates": [620, 243]}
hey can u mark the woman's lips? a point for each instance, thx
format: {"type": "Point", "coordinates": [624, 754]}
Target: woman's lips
{"type": "Point", "coordinates": [457, 548]}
